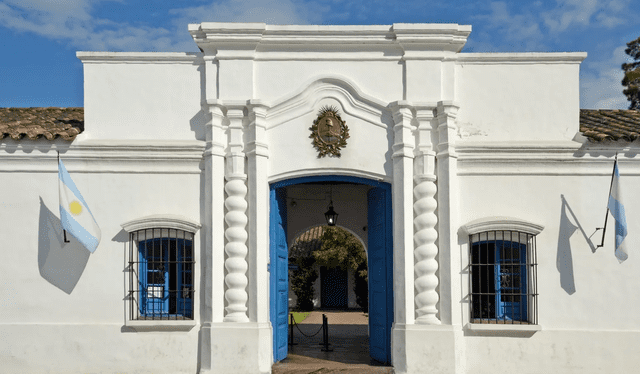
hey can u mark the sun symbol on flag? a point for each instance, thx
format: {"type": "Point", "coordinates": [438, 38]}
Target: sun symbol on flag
{"type": "Point", "coordinates": [75, 207]}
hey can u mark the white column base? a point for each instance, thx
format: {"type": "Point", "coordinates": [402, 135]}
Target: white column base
{"type": "Point", "coordinates": [238, 348]}
{"type": "Point", "coordinates": [427, 349]}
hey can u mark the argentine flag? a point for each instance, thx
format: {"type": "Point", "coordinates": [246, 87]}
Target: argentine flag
{"type": "Point", "coordinates": [617, 211]}
{"type": "Point", "coordinates": [75, 215]}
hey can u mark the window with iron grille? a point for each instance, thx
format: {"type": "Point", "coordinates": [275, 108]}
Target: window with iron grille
{"type": "Point", "coordinates": [161, 274]}
{"type": "Point", "coordinates": [503, 277]}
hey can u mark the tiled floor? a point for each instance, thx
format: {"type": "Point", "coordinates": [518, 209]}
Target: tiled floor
{"type": "Point", "coordinates": [348, 337]}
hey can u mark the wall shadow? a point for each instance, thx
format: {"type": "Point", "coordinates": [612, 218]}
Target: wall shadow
{"type": "Point", "coordinates": [564, 259]}
{"type": "Point", "coordinates": [349, 344]}
{"type": "Point", "coordinates": [60, 263]}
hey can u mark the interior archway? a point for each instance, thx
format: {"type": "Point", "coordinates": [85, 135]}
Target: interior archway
{"type": "Point", "coordinates": [331, 279]}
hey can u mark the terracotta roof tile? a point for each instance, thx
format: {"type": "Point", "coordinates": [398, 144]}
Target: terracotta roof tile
{"type": "Point", "coordinates": [602, 124]}
{"type": "Point", "coordinates": [595, 124]}
{"type": "Point", "coordinates": [34, 123]}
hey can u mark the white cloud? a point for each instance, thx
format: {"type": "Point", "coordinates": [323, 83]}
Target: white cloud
{"type": "Point", "coordinates": [600, 86]}
{"type": "Point", "coordinates": [279, 12]}
{"type": "Point", "coordinates": [572, 13]}
{"type": "Point", "coordinates": [520, 32]}
{"type": "Point", "coordinates": [75, 21]}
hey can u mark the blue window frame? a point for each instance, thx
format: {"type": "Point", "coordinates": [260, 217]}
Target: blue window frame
{"type": "Point", "coordinates": [164, 273]}
{"type": "Point", "coordinates": [502, 277]}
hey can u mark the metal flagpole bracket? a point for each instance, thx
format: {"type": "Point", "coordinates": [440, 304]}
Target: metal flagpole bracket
{"type": "Point", "coordinates": [604, 229]}
{"type": "Point", "coordinates": [64, 232]}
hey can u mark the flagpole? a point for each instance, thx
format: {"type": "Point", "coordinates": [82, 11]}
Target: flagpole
{"type": "Point", "coordinates": [64, 232]}
{"type": "Point", "coordinates": [604, 229]}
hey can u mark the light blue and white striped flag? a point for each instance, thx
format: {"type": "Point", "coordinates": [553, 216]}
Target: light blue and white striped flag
{"type": "Point", "coordinates": [74, 213]}
{"type": "Point", "coordinates": [616, 207]}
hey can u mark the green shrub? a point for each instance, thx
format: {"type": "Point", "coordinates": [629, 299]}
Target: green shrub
{"type": "Point", "coordinates": [361, 287]}
{"type": "Point", "coordinates": [302, 280]}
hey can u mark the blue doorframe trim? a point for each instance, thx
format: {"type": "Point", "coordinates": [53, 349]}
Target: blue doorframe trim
{"type": "Point", "coordinates": [327, 178]}
{"type": "Point", "coordinates": [273, 187]}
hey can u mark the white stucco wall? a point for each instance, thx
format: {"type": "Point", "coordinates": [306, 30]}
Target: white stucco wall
{"type": "Point", "coordinates": [518, 96]}
{"type": "Point", "coordinates": [143, 95]}
{"type": "Point", "coordinates": [165, 133]}
{"type": "Point", "coordinates": [585, 294]}
{"type": "Point", "coordinates": [63, 309]}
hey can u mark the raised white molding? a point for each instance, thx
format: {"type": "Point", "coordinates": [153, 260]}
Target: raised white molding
{"type": "Point", "coordinates": [160, 325]}
{"type": "Point", "coordinates": [332, 171]}
{"type": "Point", "coordinates": [261, 41]}
{"type": "Point", "coordinates": [499, 223]}
{"type": "Point", "coordinates": [139, 57]}
{"type": "Point", "coordinates": [158, 221]}
{"type": "Point", "coordinates": [305, 100]}
{"type": "Point", "coordinates": [402, 200]}
{"type": "Point", "coordinates": [103, 156]}
{"type": "Point", "coordinates": [498, 327]}
{"type": "Point", "coordinates": [521, 58]}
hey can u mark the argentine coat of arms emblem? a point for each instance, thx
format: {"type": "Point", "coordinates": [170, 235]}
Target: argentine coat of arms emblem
{"type": "Point", "coordinates": [329, 132]}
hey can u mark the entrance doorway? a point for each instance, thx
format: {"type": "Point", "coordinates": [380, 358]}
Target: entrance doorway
{"type": "Point", "coordinates": [379, 247]}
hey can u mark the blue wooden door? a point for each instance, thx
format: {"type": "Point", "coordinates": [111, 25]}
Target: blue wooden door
{"type": "Point", "coordinates": [334, 288]}
{"type": "Point", "coordinates": [279, 269]}
{"type": "Point", "coordinates": [380, 273]}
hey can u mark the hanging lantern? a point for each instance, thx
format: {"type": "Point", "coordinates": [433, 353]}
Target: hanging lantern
{"type": "Point", "coordinates": [331, 216]}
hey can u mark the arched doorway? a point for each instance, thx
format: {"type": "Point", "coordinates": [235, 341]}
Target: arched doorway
{"type": "Point", "coordinates": [380, 248]}
{"type": "Point", "coordinates": [328, 269]}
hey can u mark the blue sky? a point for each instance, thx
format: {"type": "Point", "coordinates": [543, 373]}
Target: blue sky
{"type": "Point", "coordinates": [39, 38]}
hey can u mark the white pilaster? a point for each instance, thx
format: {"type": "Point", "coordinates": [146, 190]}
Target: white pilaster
{"type": "Point", "coordinates": [403, 213]}
{"type": "Point", "coordinates": [212, 256]}
{"type": "Point", "coordinates": [425, 221]}
{"type": "Point", "coordinates": [258, 158]}
{"type": "Point", "coordinates": [236, 219]}
{"type": "Point", "coordinates": [449, 258]}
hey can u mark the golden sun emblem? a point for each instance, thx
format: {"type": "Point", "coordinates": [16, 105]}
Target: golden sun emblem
{"type": "Point", "coordinates": [329, 132]}
{"type": "Point", "coordinates": [75, 207]}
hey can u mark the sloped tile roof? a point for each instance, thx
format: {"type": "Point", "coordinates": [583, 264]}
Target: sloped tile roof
{"type": "Point", "coordinates": [595, 124]}
{"type": "Point", "coordinates": [307, 242]}
{"type": "Point", "coordinates": [35, 123]}
{"type": "Point", "coordinates": [605, 124]}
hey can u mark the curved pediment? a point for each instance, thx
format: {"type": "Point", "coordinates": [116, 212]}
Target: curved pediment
{"type": "Point", "coordinates": [333, 89]}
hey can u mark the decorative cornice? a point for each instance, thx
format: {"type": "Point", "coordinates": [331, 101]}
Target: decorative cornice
{"type": "Point", "coordinates": [140, 57]}
{"type": "Point", "coordinates": [104, 156]}
{"type": "Point", "coordinates": [521, 58]}
{"type": "Point", "coordinates": [501, 223]}
{"type": "Point", "coordinates": [273, 41]}
{"type": "Point", "coordinates": [162, 221]}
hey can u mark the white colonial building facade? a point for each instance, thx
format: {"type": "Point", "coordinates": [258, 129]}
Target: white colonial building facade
{"type": "Point", "coordinates": [465, 176]}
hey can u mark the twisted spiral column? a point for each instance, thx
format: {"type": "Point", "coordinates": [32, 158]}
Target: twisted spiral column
{"type": "Point", "coordinates": [426, 249]}
{"type": "Point", "coordinates": [236, 250]}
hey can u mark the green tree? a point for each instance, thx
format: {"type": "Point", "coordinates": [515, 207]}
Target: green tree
{"type": "Point", "coordinates": [341, 249]}
{"type": "Point", "coordinates": [303, 277]}
{"type": "Point", "coordinates": [302, 280]}
{"type": "Point", "coordinates": [632, 74]}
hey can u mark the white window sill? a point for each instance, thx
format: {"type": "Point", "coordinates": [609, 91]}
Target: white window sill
{"type": "Point", "coordinates": [502, 327]}
{"type": "Point", "coordinates": [160, 325]}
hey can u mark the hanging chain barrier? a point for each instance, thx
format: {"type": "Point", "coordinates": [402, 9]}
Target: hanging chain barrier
{"type": "Point", "coordinates": [324, 328]}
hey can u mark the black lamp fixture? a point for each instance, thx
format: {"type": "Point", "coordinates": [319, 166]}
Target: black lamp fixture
{"type": "Point", "coordinates": [331, 216]}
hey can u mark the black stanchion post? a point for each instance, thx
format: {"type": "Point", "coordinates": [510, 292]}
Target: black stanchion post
{"type": "Point", "coordinates": [325, 334]}
{"type": "Point", "coordinates": [291, 330]}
